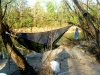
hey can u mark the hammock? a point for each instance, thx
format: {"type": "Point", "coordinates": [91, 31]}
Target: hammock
{"type": "Point", "coordinates": [38, 41]}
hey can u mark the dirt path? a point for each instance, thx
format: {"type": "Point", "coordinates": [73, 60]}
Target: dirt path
{"type": "Point", "coordinates": [82, 64]}
{"type": "Point", "coordinates": [73, 61]}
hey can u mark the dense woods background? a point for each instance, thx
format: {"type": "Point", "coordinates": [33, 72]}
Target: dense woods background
{"type": "Point", "coordinates": [48, 13]}
{"type": "Point", "coordinates": [44, 13]}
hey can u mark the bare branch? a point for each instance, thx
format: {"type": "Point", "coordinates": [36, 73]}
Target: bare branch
{"type": "Point", "coordinates": [6, 9]}
{"type": "Point", "coordinates": [88, 6]}
{"type": "Point", "coordinates": [66, 3]}
{"type": "Point", "coordinates": [89, 20]}
{"type": "Point", "coordinates": [0, 16]}
{"type": "Point", "coordinates": [84, 29]}
{"type": "Point", "coordinates": [98, 2]}
{"type": "Point", "coordinates": [68, 6]}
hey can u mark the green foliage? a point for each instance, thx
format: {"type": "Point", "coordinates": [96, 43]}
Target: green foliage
{"type": "Point", "coordinates": [70, 36]}
{"type": "Point", "coordinates": [26, 22]}
{"type": "Point", "coordinates": [47, 13]}
{"type": "Point", "coordinates": [50, 7]}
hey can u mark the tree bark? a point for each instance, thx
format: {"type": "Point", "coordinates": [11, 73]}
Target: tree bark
{"type": "Point", "coordinates": [89, 20]}
{"type": "Point", "coordinates": [0, 16]}
{"type": "Point", "coordinates": [20, 61]}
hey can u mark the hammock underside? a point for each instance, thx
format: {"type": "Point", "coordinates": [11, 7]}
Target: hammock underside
{"type": "Point", "coordinates": [38, 41]}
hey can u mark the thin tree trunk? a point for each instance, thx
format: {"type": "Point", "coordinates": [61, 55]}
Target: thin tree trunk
{"type": "Point", "coordinates": [0, 16]}
{"type": "Point", "coordinates": [35, 18]}
{"type": "Point", "coordinates": [21, 9]}
{"type": "Point", "coordinates": [87, 5]}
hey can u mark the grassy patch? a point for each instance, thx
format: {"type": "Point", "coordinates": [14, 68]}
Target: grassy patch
{"type": "Point", "coordinates": [70, 36]}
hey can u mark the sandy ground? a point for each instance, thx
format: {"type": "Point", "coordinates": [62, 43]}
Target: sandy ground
{"type": "Point", "coordinates": [73, 61]}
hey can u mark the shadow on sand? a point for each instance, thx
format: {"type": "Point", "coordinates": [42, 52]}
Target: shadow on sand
{"type": "Point", "coordinates": [62, 58]}
{"type": "Point", "coordinates": [35, 60]}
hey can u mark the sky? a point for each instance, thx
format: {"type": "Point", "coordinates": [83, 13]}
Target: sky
{"type": "Point", "coordinates": [32, 2]}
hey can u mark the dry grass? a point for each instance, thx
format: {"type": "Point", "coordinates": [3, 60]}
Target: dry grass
{"type": "Point", "coordinates": [42, 29]}
{"type": "Point", "coordinates": [46, 71]}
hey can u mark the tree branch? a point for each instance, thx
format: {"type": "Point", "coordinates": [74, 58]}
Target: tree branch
{"type": "Point", "coordinates": [0, 16]}
{"type": "Point", "coordinates": [5, 9]}
{"type": "Point", "coordinates": [89, 20]}
{"type": "Point", "coordinates": [98, 2]}
{"type": "Point", "coordinates": [20, 61]}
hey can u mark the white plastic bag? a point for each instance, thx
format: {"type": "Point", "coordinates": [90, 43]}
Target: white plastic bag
{"type": "Point", "coordinates": [55, 66]}
{"type": "Point", "coordinates": [3, 74]}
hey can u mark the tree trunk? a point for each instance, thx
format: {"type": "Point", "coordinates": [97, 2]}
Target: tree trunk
{"type": "Point", "coordinates": [35, 18]}
{"type": "Point", "coordinates": [20, 61]}
{"type": "Point", "coordinates": [89, 20]}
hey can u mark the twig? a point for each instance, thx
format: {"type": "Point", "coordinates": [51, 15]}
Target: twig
{"type": "Point", "coordinates": [5, 9]}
